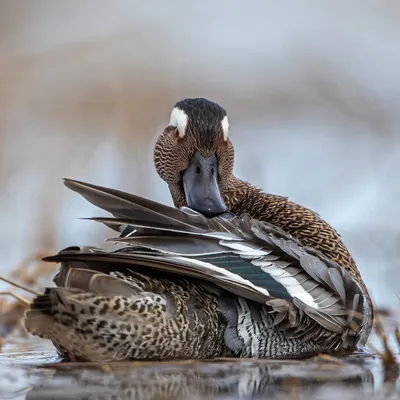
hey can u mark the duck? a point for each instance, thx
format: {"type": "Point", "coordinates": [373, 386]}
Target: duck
{"type": "Point", "coordinates": [228, 271]}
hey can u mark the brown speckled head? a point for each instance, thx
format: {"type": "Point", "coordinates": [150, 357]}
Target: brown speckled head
{"type": "Point", "coordinates": [194, 155]}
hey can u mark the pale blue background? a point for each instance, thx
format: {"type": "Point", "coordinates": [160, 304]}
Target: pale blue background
{"type": "Point", "coordinates": [312, 90]}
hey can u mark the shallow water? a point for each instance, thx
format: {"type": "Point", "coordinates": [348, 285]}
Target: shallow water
{"type": "Point", "coordinates": [29, 369]}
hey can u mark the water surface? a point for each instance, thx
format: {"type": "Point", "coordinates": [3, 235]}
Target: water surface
{"type": "Point", "coordinates": [30, 369]}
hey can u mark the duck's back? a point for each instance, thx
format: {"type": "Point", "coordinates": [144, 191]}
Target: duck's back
{"type": "Point", "coordinates": [300, 222]}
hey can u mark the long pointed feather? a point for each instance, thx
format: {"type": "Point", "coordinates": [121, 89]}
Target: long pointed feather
{"type": "Point", "coordinates": [179, 265]}
{"type": "Point", "coordinates": [183, 245]}
{"type": "Point", "coordinates": [143, 227]}
{"type": "Point", "coordinates": [125, 205]}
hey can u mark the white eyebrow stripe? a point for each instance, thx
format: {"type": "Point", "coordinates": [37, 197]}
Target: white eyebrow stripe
{"type": "Point", "coordinates": [225, 127]}
{"type": "Point", "coordinates": [179, 119]}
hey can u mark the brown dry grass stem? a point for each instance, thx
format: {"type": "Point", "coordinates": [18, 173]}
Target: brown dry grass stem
{"type": "Point", "coordinates": [390, 364]}
{"type": "Point", "coordinates": [34, 292]}
{"type": "Point", "coordinates": [18, 298]}
{"type": "Point", "coordinates": [397, 335]}
{"type": "Point", "coordinates": [30, 276]}
{"type": "Point", "coordinates": [26, 276]}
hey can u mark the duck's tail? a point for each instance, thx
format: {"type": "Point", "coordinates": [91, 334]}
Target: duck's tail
{"type": "Point", "coordinates": [76, 316]}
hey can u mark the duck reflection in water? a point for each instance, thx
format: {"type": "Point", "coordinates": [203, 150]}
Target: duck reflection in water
{"type": "Point", "coordinates": [203, 380]}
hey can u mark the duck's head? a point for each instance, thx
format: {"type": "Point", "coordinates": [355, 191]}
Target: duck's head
{"type": "Point", "coordinates": [195, 157]}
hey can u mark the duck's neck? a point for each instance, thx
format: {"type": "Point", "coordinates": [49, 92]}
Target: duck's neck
{"type": "Point", "coordinates": [242, 197]}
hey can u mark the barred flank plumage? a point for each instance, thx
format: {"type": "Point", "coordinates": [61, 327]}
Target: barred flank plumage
{"type": "Point", "coordinates": [127, 315]}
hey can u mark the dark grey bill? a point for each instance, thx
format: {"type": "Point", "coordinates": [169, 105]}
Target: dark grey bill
{"type": "Point", "coordinates": [200, 182]}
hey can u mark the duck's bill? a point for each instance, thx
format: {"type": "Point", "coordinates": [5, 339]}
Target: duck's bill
{"type": "Point", "coordinates": [200, 182]}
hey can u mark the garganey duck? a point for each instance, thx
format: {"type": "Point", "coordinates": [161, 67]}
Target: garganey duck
{"type": "Point", "coordinates": [231, 271]}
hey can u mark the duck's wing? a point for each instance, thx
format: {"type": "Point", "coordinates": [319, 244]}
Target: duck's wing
{"type": "Point", "coordinates": [246, 257]}
{"type": "Point", "coordinates": [128, 208]}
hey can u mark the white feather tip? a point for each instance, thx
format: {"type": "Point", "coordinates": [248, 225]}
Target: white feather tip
{"type": "Point", "coordinates": [179, 119]}
{"type": "Point", "coordinates": [225, 127]}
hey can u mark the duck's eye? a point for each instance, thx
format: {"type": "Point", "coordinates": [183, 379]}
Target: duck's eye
{"type": "Point", "coordinates": [176, 132]}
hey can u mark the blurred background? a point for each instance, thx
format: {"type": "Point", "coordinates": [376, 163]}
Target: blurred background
{"type": "Point", "coordinates": [311, 89]}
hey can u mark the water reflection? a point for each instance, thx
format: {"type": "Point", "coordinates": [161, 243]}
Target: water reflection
{"type": "Point", "coordinates": [244, 380]}
{"type": "Point", "coordinates": [249, 379]}
{"type": "Point", "coordinates": [29, 369]}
